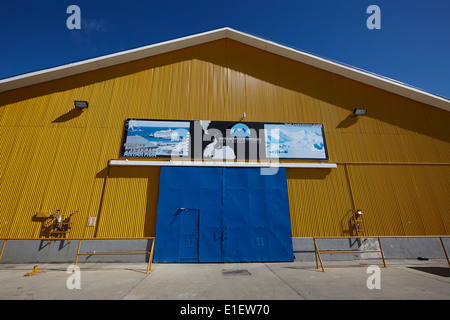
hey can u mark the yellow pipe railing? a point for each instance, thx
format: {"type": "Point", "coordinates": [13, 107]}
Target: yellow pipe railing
{"type": "Point", "coordinates": [318, 252]}
{"type": "Point", "coordinates": [150, 252]}
{"type": "Point", "coordinates": [316, 249]}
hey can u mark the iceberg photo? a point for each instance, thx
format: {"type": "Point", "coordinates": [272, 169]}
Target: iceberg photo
{"type": "Point", "coordinates": [295, 141]}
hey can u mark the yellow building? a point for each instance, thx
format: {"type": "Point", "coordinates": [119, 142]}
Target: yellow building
{"type": "Point", "coordinates": [393, 163]}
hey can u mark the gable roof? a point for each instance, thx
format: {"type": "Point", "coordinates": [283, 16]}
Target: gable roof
{"type": "Point", "coordinates": [222, 33]}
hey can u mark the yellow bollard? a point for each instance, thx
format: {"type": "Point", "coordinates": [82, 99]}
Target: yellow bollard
{"type": "Point", "coordinates": [32, 273]}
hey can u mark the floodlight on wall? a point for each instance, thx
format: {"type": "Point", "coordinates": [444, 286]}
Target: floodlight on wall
{"type": "Point", "coordinates": [81, 104]}
{"type": "Point", "coordinates": [359, 112]}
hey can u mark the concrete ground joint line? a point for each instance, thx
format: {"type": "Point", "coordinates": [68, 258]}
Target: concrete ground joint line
{"type": "Point", "coordinates": [292, 288]}
{"type": "Point", "coordinates": [135, 286]}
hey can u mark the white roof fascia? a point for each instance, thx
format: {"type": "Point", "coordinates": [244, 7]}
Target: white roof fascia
{"type": "Point", "coordinates": [221, 164]}
{"type": "Point", "coordinates": [108, 60]}
{"type": "Point", "coordinates": [201, 38]}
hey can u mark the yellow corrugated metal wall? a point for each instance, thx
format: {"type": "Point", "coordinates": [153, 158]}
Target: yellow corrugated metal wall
{"type": "Point", "coordinates": [403, 199]}
{"type": "Point", "coordinates": [53, 156]}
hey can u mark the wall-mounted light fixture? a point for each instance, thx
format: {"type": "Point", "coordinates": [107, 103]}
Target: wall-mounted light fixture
{"type": "Point", "coordinates": [359, 112]}
{"type": "Point", "coordinates": [81, 104]}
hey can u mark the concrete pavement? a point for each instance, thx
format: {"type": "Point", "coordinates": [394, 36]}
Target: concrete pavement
{"type": "Point", "coordinates": [299, 280]}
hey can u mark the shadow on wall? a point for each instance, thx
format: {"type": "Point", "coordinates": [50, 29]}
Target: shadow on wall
{"type": "Point", "coordinates": [307, 173]}
{"type": "Point", "coordinates": [72, 114]}
{"type": "Point", "coordinates": [46, 226]}
{"type": "Point", "coordinates": [347, 224]}
{"type": "Point", "coordinates": [347, 122]}
{"type": "Point", "coordinates": [121, 195]}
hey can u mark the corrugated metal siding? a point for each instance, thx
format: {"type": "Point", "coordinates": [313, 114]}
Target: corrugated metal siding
{"type": "Point", "coordinates": [403, 199]}
{"type": "Point", "coordinates": [130, 202]}
{"type": "Point", "coordinates": [319, 201]}
{"type": "Point", "coordinates": [53, 156]}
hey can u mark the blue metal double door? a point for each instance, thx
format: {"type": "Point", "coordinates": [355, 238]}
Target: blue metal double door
{"type": "Point", "coordinates": [222, 215]}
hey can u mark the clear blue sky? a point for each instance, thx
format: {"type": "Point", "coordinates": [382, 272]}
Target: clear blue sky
{"type": "Point", "coordinates": [412, 46]}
